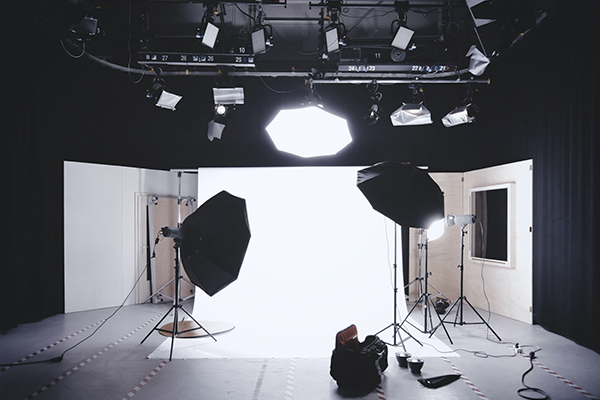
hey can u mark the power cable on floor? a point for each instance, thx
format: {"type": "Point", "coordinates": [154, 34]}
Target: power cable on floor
{"type": "Point", "coordinates": [529, 388]}
{"type": "Point", "coordinates": [60, 358]}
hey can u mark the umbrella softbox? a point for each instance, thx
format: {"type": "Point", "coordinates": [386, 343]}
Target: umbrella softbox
{"type": "Point", "coordinates": [214, 243]}
{"type": "Point", "coordinates": [402, 192]}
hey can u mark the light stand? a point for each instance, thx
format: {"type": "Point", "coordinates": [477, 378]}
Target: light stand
{"type": "Point", "coordinates": [159, 291]}
{"type": "Point", "coordinates": [395, 324]}
{"type": "Point", "coordinates": [177, 235]}
{"type": "Point", "coordinates": [419, 278]}
{"type": "Point", "coordinates": [458, 319]}
{"type": "Point", "coordinates": [425, 297]}
{"type": "Point", "coordinates": [175, 308]}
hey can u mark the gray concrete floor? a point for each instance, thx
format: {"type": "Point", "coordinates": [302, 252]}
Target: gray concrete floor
{"type": "Point", "coordinates": [112, 364]}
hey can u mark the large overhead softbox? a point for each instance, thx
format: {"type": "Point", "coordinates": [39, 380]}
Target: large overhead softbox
{"type": "Point", "coordinates": [402, 192]}
{"type": "Point", "coordinates": [214, 243]}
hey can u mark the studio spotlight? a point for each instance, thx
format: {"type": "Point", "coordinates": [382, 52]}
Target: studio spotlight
{"type": "Point", "coordinates": [87, 26]}
{"type": "Point", "coordinates": [161, 97]}
{"type": "Point", "coordinates": [215, 130]}
{"type": "Point", "coordinates": [375, 110]}
{"type": "Point", "coordinates": [333, 40]}
{"type": "Point", "coordinates": [411, 114]}
{"type": "Point", "coordinates": [459, 219]}
{"type": "Point", "coordinates": [262, 39]}
{"type": "Point", "coordinates": [414, 113]}
{"type": "Point", "coordinates": [465, 113]}
{"type": "Point", "coordinates": [478, 61]}
{"type": "Point", "coordinates": [209, 38]}
{"type": "Point", "coordinates": [225, 101]}
{"type": "Point", "coordinates": [208, 32]}
{"type": "Point", "coordinates": [403, 35]}
{"type": "Point", "coordinates": [233, 95]}
{"type": "Point", "coordinates": [402, 38]}
{"type": "Point", "coordinates": [460, 115]}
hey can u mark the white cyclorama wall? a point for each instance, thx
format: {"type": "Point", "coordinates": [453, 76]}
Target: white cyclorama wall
{"type": "Point", "coordinates": [319, 259]}
{"type": "Point", "coordinates": [100, 229]}
{"type": "Point", "coordinates": [509, 290]}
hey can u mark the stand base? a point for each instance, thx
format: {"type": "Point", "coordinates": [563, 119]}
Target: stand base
{"type": "Point", "coordinates": [459, 312]}
{"type": "Point", "coordinates": [190, 329]}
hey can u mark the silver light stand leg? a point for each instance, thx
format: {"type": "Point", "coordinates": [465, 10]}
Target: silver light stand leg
{"type": "Point", "coordinates": [175, 308]}
{"type": "Point", "coordinates": [458, 319]}
{"type": "Point", "coordinates": [426, 299]}
{"type": "Point", "coordinates": [395, 324]}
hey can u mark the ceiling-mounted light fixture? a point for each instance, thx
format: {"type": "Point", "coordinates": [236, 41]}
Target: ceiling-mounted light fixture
{"type": "Point", "coordinates": [160, 96]}
{"type": "Point", "coordinates": [478, 61]}
{"type": "Point", "coordinates": [403, 35]}
{"type": "Point", "coordinates": [464, 114]}
{"type": "Point", "coordinates": [309, 131]}
{"type": "Point", "coordinates": [375, 110]}
{"type": "Point", "coordinates": [460, 115]}
{"type": "Point", "coordinates": [207, 32]}
{"type": "Point", "coordinates": [414, 113]}
{"type": "Point", "coordinates": [225, 100]}
{"type": "Point", "coordinates": [261, 34]}
{"type": "Point", "coordinates": [332, 40]}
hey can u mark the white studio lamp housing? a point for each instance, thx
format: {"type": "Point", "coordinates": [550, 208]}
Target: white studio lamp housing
{"type": "Point", "coordinates": [459, 219]}
{"type": "Point", "coordinates": [458, 116]}
{"type": "Point", "coordinates": [411, 114]}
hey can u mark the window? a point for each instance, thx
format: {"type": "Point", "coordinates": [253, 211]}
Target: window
{"type": "Point", "coordinates": [490, 239]}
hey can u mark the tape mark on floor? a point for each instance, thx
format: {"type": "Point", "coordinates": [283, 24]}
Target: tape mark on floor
{"type": "Point", "coordinates": [2, 369]}
{"type": "Point", "coordinates": [565, 380]}
{"type": "Point", "coordinates": [291, 377]}
{"type": "Point", "coordinates": [259, 382]}
{"type": "Point", "coordinates": [558, 376]}
{"type": "Point", "coordinates": [145, 380]}
{"type": "Point", "coordinates": [380, 393]}
{"type": "Point", "coordinates": [90, 359]}
{"type": "Point", "coordinates": [465, 379]}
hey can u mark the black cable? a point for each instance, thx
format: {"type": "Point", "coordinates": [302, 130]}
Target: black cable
{"type": "Point", "coordinates": [60, 358]}
{"type": "Point", "coordinates": [529, 388]}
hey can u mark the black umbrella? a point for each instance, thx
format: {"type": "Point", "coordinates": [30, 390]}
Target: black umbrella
{"type": "Point", "coordinates": [214, 243]}
{"type": "Point", "coordinates": [405, 194]}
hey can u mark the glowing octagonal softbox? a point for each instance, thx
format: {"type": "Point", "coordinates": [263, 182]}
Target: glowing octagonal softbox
{"type": "Point", "coordinates": [309, 132]}
{"type": "Point", "coordinates": [215, 241]}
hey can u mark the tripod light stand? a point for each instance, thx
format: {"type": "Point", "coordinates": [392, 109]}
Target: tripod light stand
{"type": "Point", "coordinates": [463, 220]}
{"type": "Point", "coordinates": [425, 297]}
{"type": "Point", "coordinates": [159, 292]}
{"type": "Point", "coordinates": [178, 327]}
{"type": "Point", "coordinates": [395, 324]}
{"type": "Point", "coordinates": [408, 196]}
{"type": "Point", "coordinates": [211, 243]}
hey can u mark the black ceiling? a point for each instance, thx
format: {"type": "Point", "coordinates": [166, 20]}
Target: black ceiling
{"type": "Point", "coordinates": [444, 30]}
{"type": "Point", "coordinates": [90, 109]}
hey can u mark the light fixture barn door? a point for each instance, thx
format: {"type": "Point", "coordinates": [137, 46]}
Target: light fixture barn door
{"type": "Point", "coordinates": [164, 213]}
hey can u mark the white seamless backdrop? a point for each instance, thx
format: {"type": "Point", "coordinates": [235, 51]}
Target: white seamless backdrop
{"type": "Point", "coordinates": [319, 259]}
